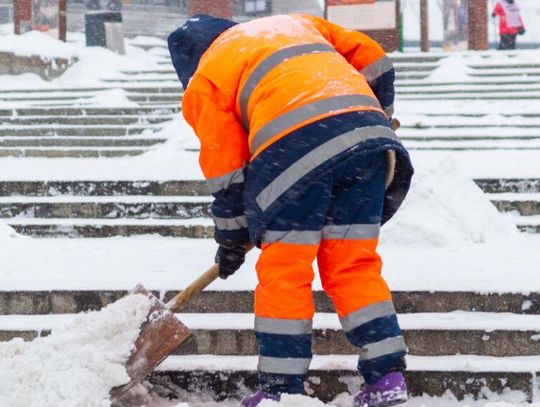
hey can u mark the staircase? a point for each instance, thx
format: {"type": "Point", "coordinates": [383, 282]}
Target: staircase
{"type": "Point", "coordinates": [471, 343]}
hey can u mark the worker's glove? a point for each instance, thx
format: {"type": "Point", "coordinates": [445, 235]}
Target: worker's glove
{"type": "Point", "coordinates": [230, 259]}
{"type": "Point", "coordinates": [521, 30]}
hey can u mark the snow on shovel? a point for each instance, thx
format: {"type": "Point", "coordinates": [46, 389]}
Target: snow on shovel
{"type": "Point", "coordinates": [162, 332]}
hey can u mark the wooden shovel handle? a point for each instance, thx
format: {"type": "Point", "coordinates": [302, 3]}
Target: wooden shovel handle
{"type": "Point", "coordinates": [177, 303]}
{"type": "Point", "coordinates": [195, 288]}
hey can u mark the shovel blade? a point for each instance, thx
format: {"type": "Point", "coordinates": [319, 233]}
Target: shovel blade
{"type": "Point", "coordinates": [160, 335]}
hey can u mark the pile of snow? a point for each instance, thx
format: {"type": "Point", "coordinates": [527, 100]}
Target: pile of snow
{"type": "Point", "coordinates": [37, 43]}
{"type": "Point", "coordinates": [445, 208]}
{"type": "Point", "coordinates": [7, 232]}
{"type": "Point", "coordinates": [76, 365]}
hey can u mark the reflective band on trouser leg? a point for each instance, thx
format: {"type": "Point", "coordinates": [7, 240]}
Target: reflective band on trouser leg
{"type": "Point", "coordinates": [377, 68]}
{"type": "Point", "coordinates": [317, 157]}
{"type": "Point", "coordinates": [224, 181]}
{"type": "Point", "coordinates": [304, 113]}
{"type": "Point", "coordinates": [270, 63]}
{"type": "Point", "coordinates": [374, 329]}
{"type": "Point", "coordinates": [284, 311]}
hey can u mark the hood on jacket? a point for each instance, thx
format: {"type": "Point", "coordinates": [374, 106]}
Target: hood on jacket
{"type": "Point", "coordinates": [189, 42]}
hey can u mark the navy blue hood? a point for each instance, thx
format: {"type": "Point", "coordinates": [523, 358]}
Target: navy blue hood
{"type": "Point", "coordinates": [189, 42]}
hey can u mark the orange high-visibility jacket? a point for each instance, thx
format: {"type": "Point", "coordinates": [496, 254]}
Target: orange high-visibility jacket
{"type": "Point", "coordinates": [263, 81]}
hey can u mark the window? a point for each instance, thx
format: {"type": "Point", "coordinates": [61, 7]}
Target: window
{"type": "Point", "coordinates": [256, 6]}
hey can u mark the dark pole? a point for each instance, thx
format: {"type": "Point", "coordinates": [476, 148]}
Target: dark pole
{"type": "Point", "coordinates": [62, 20]}
{"type": "Point", "coordinates": [424, 26]}
{"type": "Point", "coordinates": [478, 25]}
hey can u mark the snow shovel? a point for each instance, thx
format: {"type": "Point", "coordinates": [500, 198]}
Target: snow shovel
{"type": "Point", "coordinates": [162, 332]}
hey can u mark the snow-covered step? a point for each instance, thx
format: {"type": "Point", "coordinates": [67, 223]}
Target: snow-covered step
{"type": "Point", "coordinates": [69, 130]}
{"type": "Point", "coordinates": [525, 204]}
{"type": "Point", "coordinates": [509, 185]}
{"type": "Point", "coordinates": [475, 144]}
{"type": "Point", "coordinates": [234, 300]}
{"type": "Point", "coordinates": [11, 142]}
{"type": "Point", "coordinates": [75, 152]}
{"type": "Point", "coordinates": [518, 65]}
{"type": "Point", "coordinates": [100, 228]}
{"type": "Point", "coordinates": [139, 207]}
{"type": "Point", "coordinates": [155, 98]}
{"type": "Point", "coordinates": [480, 377]}
{"type": "Point", "coordinates": [431, 334]}
{"type": "Point", "coordinates": [84, 120]}
{"type": "Point", "coordinates": [172, 88]}
{"type": "Point", "coordinates": [89, 111]}
{"type": "Point", "coordinates": [104, 188]}
{"type": "Point", "coordinates": [526, 95]}
{"type": "Point", "coordinates": [465, 89]}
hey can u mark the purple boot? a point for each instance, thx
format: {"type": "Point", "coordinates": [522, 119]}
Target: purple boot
{"type": "Point", "coordinates": [389, 390]}
{"type": "Point", "coordinates": [255, 399]}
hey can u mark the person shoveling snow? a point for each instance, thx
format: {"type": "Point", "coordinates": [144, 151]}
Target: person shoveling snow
{"type": "Point", "coordinates": [78, 364]}
{"type": "Point", "coordinates": [294, 118]}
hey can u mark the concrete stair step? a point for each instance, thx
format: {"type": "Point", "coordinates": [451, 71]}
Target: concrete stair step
{"type": "Point", "coordinates": [89, 111]}
{"type": "Point", "coordinates": [118, 120]}
{"type": "Point", "coordinates": [520, 66]}
{"type": "Point", "coordinates": [70, 152]}
{"type": "Point", "coordinates": [104, 188]}
{"type": "Point", "coordinates": [524, 204]}
{"type": "Point", "coordinates": [472, 148]}
{"type": "Point", "coordinates": [83, 131]}
{"type": "Point", "coordinates": [106, 207]}
{"type": "Point", "coordinates": [464, 125]}
{"type": "Point", "coordinates": [431, 334]}
{"type": "Point", "coordinates": [331, 375]}
{"type": "Point", "coordinates": [532, 95]}
{"type": "Point", "coordinates": [30, 302]}
{"type": "Point", "coordinates": [72, 91]}
{"type": "Point", "coordinates": [452, 138]}
{"type": "Point", "coordinates": [463, 89]}
{"type": "Point", "coordinates": [509, 185]}
{"type": "Point", "coordinates": [156, 98]}
{"type": "Point", "coordinates": [197, 228]}
{"type": "Point", "coordinates": [79, 142]}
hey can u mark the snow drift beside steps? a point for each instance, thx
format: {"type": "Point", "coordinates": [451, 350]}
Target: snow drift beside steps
{"type": "Point", "coordinates": [78, 364]}
{"type": "Point", "coordinates": [445, 208]}
{"type": "Point", "coordinates": [7, 232]}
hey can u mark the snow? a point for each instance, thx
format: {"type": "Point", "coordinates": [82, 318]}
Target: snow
{"type": "Point", "coordinates": [37, 43]}
{"type": "Point", "coordinates": [445, 208]}
{"type": "Point", "coordinates": [78, 364]}
{"type": "Point", "coordinates": [289, 400]}
{"type": "Point", "coordinates": [6, 232]}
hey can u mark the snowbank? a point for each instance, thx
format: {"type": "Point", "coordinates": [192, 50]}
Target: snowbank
{"type": "Point", "coordinates": [78, 364]}
{"type": "Point", "coordinates": [37, 43]}
{"type": "Point", "coordinates": [445, 208]}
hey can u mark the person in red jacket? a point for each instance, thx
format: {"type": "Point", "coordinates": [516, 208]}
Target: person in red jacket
{"type": "Point", "coordinates": [293, 116]}
{"type": "Point", "coordinates": [510, 23]}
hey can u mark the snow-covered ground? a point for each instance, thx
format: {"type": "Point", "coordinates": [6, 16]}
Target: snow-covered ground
{"type": "Point", "coordinates": [447, 237]}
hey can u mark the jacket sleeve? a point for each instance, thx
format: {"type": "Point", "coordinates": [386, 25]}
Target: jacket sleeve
{"type": "Point", "coordinates": [223, 157]}
{"type": "Point", "coordinates": [498, 10]}
{"type": "Point", "coordinates": [367, 56]}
